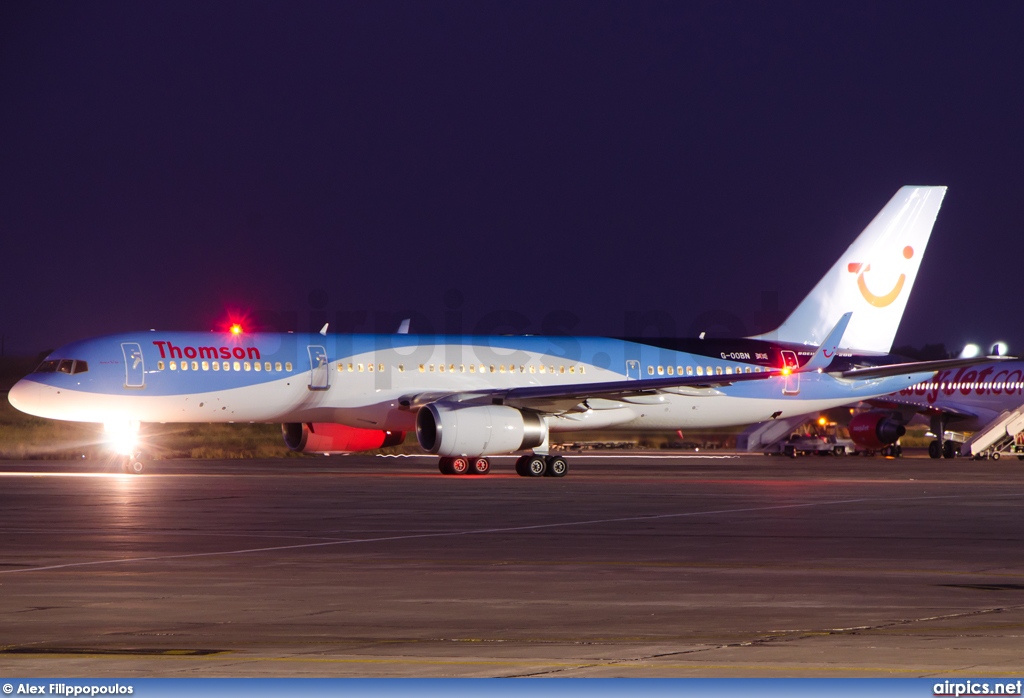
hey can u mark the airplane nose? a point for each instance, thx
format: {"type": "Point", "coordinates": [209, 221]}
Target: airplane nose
{"type": "Point", "coordinates": [24, 396]}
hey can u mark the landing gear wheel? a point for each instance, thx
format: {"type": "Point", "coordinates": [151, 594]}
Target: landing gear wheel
{"type": "Point", "coordinates": [521, 468]}
{"type": "Point", "coordinates": [479, 466]}
{"type": "Point", "coordinates": [535, 466]}
{"type": "Point", "coordinates": [935, 450]}
{"type": "Point", "coordinates": [445, 466]}
{"type": "Point", "coordinates": [557, 466]}
{"type": "Point", "coordinates": [460, 465]}
{"type": "Point", "coordinates": [132, 465]}
{"type": "Point", "coordinates": [949, 449]}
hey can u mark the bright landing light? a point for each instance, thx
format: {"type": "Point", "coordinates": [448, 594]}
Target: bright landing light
{"type": "Point", "coordinates": [123, 437]}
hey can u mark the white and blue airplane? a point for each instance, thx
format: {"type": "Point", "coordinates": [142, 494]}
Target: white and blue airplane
{"type": "Point", "coordinates": [470, 397]}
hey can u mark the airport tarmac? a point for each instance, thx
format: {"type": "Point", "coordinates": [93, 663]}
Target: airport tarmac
{"type": "Point", "coordinates": [631, 566]}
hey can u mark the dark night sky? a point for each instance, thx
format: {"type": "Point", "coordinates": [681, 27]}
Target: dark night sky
{"type": "Point", "coordinates": [572, 163]}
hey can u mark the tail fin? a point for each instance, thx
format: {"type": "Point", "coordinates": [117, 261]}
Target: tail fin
{"type": "Point", "coordinates": [873, 277]}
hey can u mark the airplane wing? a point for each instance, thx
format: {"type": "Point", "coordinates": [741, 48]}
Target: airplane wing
{"type": "Point", "coordinates": [565, 396]}
{"type": "Point", "coordinates": [896, 403]}
{"type": "Point", "coordinates": [915, 367]}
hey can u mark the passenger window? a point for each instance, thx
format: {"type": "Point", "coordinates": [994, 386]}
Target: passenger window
{"type": "Point", "coordinates": [671, 370]}
{"type": "Point", "coordinates": [718, 370]}
{"type": "Point", "coordinates": [369, 368]}
{"type": "Point", "coordinates": [451, 368]}
{"type": "Point", "coordinates": [747, 369]}
{"type": "Point", "coordinates": [440, 367]}
{"type": "Point", "coordinates": [561, 369]}
{"type": "Point", "coordinates": [174, 365]}
{"type": "Point", "coordinates": [492, 368]}
{"type": "Point", "coordinates": [689, 370]}
{"type": "Point", "coordinates": [650, 370]}
{"type": "Point", "coordinates": [728, 370]}
{"type": "Point", "coordinates": [501, 368]}
{"type": "Point", "coordinates": [266, 366]}
{"type": "Point", "coordinates": [583, 369]}
{"type": "Point", "coordinates": [160, 365]}
{"type": "Point", "coordinates": [533, 369]}
{"type": "Point", "coordinates": [401, 368]}
{"type": "Point", "coordinates": [359, 367]}
{"type": "Point", "coordinates": [195, 365]}
{"type": "Point", "coordinates": [216, 365]}
{"type": "Point", "coordinates": [184, 365]}
{"type": "Point", "coordinates": [661, 370]}
{"type": "Point", "coordinates": [700, 370]}
{"type": "Point", "coordinates": [472, 368]}
{"type": "Point", "coordinates": [206, 365]}
{"type": "Point", "coordinates": [543, 368]}
{"type": "Point", "coordinates": [277, 365]}
{"type": "Point", "coordinates": [247, 366]}
{"type": "Point", "coordinates": [462, 368]}
{"type": "Point", "coordinates": [572, 369]}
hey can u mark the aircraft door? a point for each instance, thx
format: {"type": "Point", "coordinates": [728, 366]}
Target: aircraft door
{"type": "Point", "coordinates": [319, 374]}
{"type": "Point", "coordinates": [632, 370]}
{"type": "Point", "coordinates": [134, 368]}
{"type": "Point", "coordinates": [792, 384]}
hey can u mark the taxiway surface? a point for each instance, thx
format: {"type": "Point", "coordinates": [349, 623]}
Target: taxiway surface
{"type": "Point", "coordinates": [630, 566]}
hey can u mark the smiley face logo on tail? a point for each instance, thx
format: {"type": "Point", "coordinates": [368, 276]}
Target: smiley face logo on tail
{"type": "Point", "coordinates": [879, 301]}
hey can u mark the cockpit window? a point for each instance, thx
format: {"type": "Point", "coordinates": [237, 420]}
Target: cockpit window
{"type": "Point", "coordinates": [63, 366]}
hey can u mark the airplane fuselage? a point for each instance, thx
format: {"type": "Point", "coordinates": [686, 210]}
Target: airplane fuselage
{"type": "Point", "coordinates": [376, 381]}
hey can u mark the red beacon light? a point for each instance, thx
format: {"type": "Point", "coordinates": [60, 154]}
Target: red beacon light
{"type": "Point", "coordinates": [236, 329]}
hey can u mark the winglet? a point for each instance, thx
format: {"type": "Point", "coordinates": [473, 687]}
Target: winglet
{"type": "Point", "coordinates": [323, 330]}
{"type": "Point", "coordinates": [404, 327]}
{"type": "Point", "coordinates": [827, 351]}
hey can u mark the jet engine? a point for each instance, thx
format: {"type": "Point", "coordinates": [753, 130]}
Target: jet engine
{"type": "Point", "coordinates": [874, 430]}
{"type": "Point", "coordinates": [326, 437]}
{"type": "Point", "coordinates": [478, 431]}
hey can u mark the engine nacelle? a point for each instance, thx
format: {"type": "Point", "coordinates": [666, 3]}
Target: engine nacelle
{"type": "Point", "coordinates": [478, 431]}
{"type": "Point", "coordinates": [325, 437]}
{"type": "Point", "coordinates": [874, 430]}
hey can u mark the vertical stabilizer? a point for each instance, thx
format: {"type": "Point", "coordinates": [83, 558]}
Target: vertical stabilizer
{"type": "Point", "coordinates": [872, 278]}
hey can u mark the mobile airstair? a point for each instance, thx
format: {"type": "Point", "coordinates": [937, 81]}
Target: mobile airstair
{"type": "Point", "coordinates": [1004, 435]}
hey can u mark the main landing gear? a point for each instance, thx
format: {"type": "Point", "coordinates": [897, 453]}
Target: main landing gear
{"type": "Point", "coordinates": [460, 465]}
{"type": "Point", "coordinates": [526, 466]}
{"type": "Point", "coordinates": [542, 466]}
